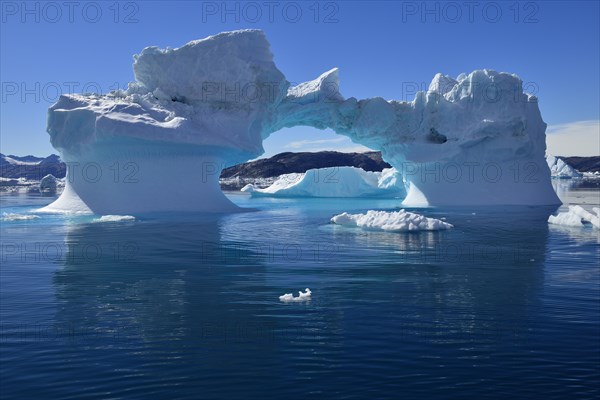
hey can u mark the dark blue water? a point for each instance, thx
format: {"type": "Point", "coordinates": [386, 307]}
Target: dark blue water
{"type": "Point", "coordinates": [502, 306]}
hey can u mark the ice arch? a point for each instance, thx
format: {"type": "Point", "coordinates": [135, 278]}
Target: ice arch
{"type": "Point", "coordinates": [161, 144]}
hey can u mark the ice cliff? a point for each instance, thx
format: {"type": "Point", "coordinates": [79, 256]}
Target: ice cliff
{"type": "Point", "coordinates": [161, 144]}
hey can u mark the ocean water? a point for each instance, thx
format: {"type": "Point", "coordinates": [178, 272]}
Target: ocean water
{"type": "Point", "coordinates": [502, 306]}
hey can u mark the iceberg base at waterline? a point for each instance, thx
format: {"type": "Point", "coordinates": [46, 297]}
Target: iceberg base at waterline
{"type": "Point", "coordinates": [477, 180]}
{"type": "Point", "coordinates": [142, 177]}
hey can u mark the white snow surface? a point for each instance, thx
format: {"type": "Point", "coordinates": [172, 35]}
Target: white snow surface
{"type": "Point", "coordinates": [395, 221]}
{"type": "Point", "coordinates": [334, 182]}
{"type": "Point", "coordinates": [302, 296]}
{"type": "Point", "coordinates": [576, 216]}
{"type": "Point", "coordinates": [209, 104]}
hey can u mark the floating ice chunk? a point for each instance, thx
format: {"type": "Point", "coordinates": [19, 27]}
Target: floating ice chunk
{"type": "Point", "coordinates": [18, 217]}
{"type": "Point", "coordinates": [288, 297]}
{"type": "Point", "coordinates": [565, 219]}
{"type": "Point", "coordinates": [334, 182]}
{"type": "Point", "coordinates": [114, 218]}
{"type": "Point", "coordinates": [396, 221]}
{"type": "Point", "coordinates": [575, 217]}
{"type": "Point", "coordinates": [586, 215]}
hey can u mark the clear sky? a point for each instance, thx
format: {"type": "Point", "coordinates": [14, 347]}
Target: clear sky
{"type": "Point", "coordinates": [383, 49]}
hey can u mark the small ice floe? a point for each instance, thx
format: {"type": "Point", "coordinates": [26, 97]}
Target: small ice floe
{"type": "Point", "coordinates": [397, 221]}
{"type": "Point", "coordinates": [576, 217]}
{"type": "Point", "coordinates": [18, 217]}
{"type": "Point", "coordinates": [288, 297]}
{"type": "Point", "coordinates": [114, 218]}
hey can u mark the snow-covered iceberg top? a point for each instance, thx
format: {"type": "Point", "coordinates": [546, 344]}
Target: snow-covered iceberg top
{"type": "Point", "coordinates": [196, 109]}
{"type": "Point", "coordinates": [334, 182]}
{"type": "Point", "coordinates": [209, 92]}
{"type": "Point", "coordinates": [395, 221]}
{"type": "Point", "coordinates": [576, 217]}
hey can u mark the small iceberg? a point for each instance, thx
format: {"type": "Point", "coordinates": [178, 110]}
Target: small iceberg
{"type": "Point", "coordinates": [396, 221]}
{"type": "Point", "coordinates": [334, 182]}
{"type": "Point", "coordinates": [18, 217]}
{"type": "Point", "coordinates": [114, 218]}
{"type": "Point", "coordinates": [48, 184]}
{"type": "Point", "coordinates": [288, 297]}
{"type": "Point", "coordinates": [575, 217]}
{"type": "Point", "coordinates": [560, 169]}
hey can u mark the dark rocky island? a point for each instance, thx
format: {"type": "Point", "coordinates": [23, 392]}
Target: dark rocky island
{"type": "Point", "coordinates": [287, 163]}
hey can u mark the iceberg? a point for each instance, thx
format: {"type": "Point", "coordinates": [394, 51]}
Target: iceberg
{"type": "Point", "coordinates": [161, 144]}
{"type": "Point", "coordinates": [395, 221]}
{"type": "Point", "coordinates": [48, 184]}
{"type": "Point", "coordinates": [560, 169]}
{"type": "Point", "coordinates": [334, 182]}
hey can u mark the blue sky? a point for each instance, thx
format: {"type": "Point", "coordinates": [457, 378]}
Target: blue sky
{"type": "Point", "coordinates": [383, 49]}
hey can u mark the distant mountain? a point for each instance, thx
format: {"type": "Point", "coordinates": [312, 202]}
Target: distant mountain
{"type": "Point", "coordinates": [35, 168]}
{"type": "Point", "coordinates": [584, 164]}
{"type": "Point", "coordinates": [287, 163]}
{"type": "Point", "coordinates": [31, 167]}
{"type": "Point", "coordinates": [21, 159]}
